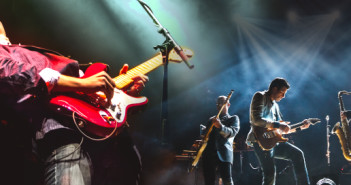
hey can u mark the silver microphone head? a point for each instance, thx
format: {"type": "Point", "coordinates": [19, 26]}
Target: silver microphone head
{"type": "Point", "coordinates": [344, 92]}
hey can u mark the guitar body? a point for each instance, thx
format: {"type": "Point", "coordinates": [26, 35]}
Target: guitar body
{"type": "Point", "coordinates": [88, 111]}
{"type": "Point", "coordinates": [268, 138]}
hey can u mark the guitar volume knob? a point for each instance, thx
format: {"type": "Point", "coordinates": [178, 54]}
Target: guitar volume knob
{"type": "Point", "coordinates": [113, 107]}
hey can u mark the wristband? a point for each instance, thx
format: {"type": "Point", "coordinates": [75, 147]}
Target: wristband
{"type": "Point", "coordinates": [50, 77]}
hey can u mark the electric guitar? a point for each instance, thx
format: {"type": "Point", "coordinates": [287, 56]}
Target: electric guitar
{"type": "Point", "coordinates": [267, 138]}
{"type": "Point", "coordinates": [87, 110]}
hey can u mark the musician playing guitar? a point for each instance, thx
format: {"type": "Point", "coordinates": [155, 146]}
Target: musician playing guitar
{"type": "Point", "coordinates": [219, 151]}
{"type": "Point", "coordinates": [29, 75]}
{"type": "Point", "coordinates": [265, 113]}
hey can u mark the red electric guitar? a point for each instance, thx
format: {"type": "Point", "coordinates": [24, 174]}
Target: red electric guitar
{"type": "Point", "coordinates": [87, 110]}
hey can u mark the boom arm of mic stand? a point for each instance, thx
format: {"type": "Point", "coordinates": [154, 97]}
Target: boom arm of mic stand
{"type": "Point", "coordinates": [166, 34]}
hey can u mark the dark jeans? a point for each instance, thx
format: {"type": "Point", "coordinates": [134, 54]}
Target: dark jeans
{"type": "Point", "coordinates": [285, 151]}
{"type": "Point", "coordinates": [68, 165]}
{"type": "Point", "coordinates": [65, 161]}
{"type": "Point", "coordinates": [210, 164]}
{"type": "Point", "coordinates": [114, 161]}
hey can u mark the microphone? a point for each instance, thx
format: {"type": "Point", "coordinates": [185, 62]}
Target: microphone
{"type": "Point", "coordinates": [327, 118]}
{"type": "Point", "coordinates": [166, 34]}
{"type": "Point", "coordinates": [344, 92]}
{"type": "Point", "coordinates": [182, 55]}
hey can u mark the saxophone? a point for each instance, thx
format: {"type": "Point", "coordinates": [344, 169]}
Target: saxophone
{"type": "Point", "coordinates": [343, 130]}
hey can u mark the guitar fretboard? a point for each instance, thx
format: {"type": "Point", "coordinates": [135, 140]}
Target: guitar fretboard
{"type": "Point", "coordinates": [296, 125]}
{"type": "Point", "coordinates": [144, 68]}
{"type": "Point", "coordinates": [311, 120]}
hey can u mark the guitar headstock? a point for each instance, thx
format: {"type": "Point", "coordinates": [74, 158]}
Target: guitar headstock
{"type": "Point", "coordinates": [314, 121]}
{"type": "Point", "coordinates": [174, 57]}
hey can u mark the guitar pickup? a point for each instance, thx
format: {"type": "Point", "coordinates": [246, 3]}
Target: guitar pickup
{"type": "Point", "coordinates": [268, 135]}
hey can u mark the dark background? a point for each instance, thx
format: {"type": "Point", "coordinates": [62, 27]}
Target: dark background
{"type": "Point", "coordinates": [238, 44]}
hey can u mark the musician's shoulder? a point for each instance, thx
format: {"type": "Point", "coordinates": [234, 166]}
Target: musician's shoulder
{"type": "Point", "coordinates": [259, 95]}
{"type": "Point", "coordinates": [234, 117]}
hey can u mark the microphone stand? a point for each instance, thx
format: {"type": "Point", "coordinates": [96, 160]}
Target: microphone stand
{"type": "Point", "coordinates": [165, 49]}
{"type": "Point", "coordinates": [328, 143]}
{"type": "Point", "coordinates": [327, 180]}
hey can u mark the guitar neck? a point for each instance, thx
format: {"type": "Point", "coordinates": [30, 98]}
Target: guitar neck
{"type": "Point", "coordinates": [124, 80]}
{"type": "Point", "coordinates": [296, 125]}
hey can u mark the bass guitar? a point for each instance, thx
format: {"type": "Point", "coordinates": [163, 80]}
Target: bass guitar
{"type": "Point", "coordinates": [267, 138]}
{"type": "Point", "coordinates": [207, 136]}
{"type": "Point", "coordinates": [87, 110]}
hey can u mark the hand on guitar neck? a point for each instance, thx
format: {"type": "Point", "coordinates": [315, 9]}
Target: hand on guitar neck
{"type": "Point", "coordinates": [138, 81]}
{"type": "Point", "coordinates": [284, 126]}
{"type": "Point", "coordinates": [306, 124]}
{"type": "Point", "coordinates": [217, 123]}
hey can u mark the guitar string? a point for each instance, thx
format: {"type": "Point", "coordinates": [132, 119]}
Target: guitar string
{"type": "Point", "coordinates": [148, 66]}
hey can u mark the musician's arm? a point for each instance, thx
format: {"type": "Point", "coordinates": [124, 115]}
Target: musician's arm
{"type": "Point", "coordinates": [232, 129]}
{"type": "Point", "coordinates": [98, 82]}
{"type": "Point", "coordinates": [256, 111]}
{"type": "Point", "coordinates": [21, 78]}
